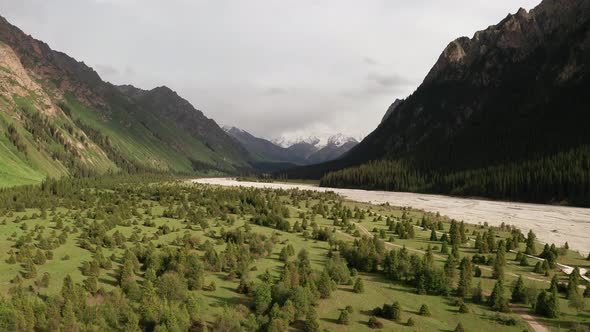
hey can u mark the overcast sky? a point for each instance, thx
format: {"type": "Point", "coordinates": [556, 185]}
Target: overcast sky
{"type": "Point", "coordinates": [271, 67]}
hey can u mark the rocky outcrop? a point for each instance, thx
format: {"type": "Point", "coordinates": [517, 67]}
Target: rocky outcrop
{"type": "Point", "coordinates": [67, 74]}
{"type": "Point", "coordinates": [391, 109]}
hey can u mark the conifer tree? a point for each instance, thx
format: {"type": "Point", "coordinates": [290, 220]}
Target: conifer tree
{"type": "Point", "coordinates": [519, 291]}
{"type": "Point", "coordinates": [359, 286]}
{"type": "Point", "coordinates": [311, 321]}
{"type": "Point", "coordinates": [497, 300]}
{"type": "Point", "coordinates": [465, 278]}
{"type": "Point", "coordinates": [530, 243]}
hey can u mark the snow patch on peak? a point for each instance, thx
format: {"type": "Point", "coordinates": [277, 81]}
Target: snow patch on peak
{"type": "Point", "coordinates": [233, 129]}
{"type": "Point", "coordinates": [318, 141]}
{"type": "Point", "coordinates": [340, 139]}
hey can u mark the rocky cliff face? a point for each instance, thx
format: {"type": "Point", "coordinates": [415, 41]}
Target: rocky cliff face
{"type": "Point", "coordinates": [512, 91]}
{"type": "Point", "coordinates": [67, 74]}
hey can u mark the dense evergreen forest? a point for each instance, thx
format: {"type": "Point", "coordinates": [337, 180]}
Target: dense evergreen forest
{"type": "Point", "coordinates": [561, 178]}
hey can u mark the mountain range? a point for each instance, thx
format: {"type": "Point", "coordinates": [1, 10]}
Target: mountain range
{"type": "Point", "coordinates": [504, 114]}
{"type": "Point", "coordinates": [59, 118]}
{"type": "Point", "coordinates": [292, 151]}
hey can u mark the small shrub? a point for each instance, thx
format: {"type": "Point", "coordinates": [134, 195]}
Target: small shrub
{"type": "Point", "coordinates": [374, 323]}
{"type": "Point", "coordinates": [424, 310]}
{"type": "Point", "coordinates": [463, 308]}
{"type": "Point", "coordinates": [344, 318]}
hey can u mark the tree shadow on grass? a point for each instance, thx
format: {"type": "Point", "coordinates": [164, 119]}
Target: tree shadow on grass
{"type": "Point", "coordinates": [233, 290]}
{"type": "Point", "coordinates": [222, 301]}
{"type": "Point", "coordinates": [349, 290]}
{"type": "Point", "coordinates": [330, 320]}
{"type": "Point", "coordinates": [557, 324]}
{"type": "Point", "coordinates": [368, 312]}
{"type": "Point", "coordinates": [401, 288]}
{"type": "Point", "coordinates": [108, 281]}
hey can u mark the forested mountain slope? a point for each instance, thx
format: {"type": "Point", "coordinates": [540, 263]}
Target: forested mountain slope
{"type": "Point", "coordinates": [58, 117]}
{"type": "Point", "coordinates": [504, 114]}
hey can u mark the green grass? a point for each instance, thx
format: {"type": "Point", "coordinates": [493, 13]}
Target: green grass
{"type": "Point", "coordinates": [16, 168]}
{"type": "Point", "coordinates": [6, 70]}
{"type": "Point", "coordinates": [145, 139]}
{"type": "Point", "coordinates": [444, 315]}
{"type": "Point", "coordinates": [378, 290]}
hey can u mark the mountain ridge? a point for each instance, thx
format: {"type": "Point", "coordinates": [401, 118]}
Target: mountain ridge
{"type": "Point", "coordinates": [301, 150]}
{"type": "Point", "coordinates": [60, 118]}
{"type": "Point", "coordinates": [497, 116]}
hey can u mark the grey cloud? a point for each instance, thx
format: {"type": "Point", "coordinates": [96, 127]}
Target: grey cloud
{"type": "Point", "coordinates": [276, 91]}
{"type": "Point", "coordinates": [266, 66]}
{"type": "Point", "coordinates": [106, 71]}
{"type": "Point", "coordinates": [387, 81]}
{"type": "Point", "coordinates": [370, 61]}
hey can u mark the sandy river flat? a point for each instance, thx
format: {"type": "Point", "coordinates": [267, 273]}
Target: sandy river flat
{"type": "Point", "coordinates": [551, 224]}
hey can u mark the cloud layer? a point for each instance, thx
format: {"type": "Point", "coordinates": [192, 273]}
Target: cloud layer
{"type": "Point", "coordinates": [270, 67]}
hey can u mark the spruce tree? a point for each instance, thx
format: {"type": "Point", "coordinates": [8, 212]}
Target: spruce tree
{"type": "Point", "coordinates": [574, 282]}
{"type": "Point", "coordinates": [519, 291]}
{"type": "Point", "coordinates": [530, 243]}
{"type": "Point", "coordinates": [312, 323]}
{"type": "Point", "coordinates": [497, 300]}
{"type": "Point", "coordinates": [465, 278]}
{"type": "Point", "coordinates": [478, 293]}
{"type": "Point", "coordinates": [553, 310]}
{"type": "Point", "coordinates": [424, 310]}
{"type": "Point", "coordinates": [344, 319]}
{"type": "Point", "coordinates": [433, 236]}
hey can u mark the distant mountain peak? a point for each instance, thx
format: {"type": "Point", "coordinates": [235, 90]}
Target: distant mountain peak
{"type": "Point", "coordinates": [317, 141]}
{"type": "Point", "coordinates": [232, 129]}
{"type": "Point", "coordinates": [340, 139]}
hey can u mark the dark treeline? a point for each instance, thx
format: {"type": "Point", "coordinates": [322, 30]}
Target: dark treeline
{"type": "Point", "coordinates": [561, 178]}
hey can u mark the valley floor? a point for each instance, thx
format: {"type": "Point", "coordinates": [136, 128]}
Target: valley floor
{"type": "Point", "coordinates": [551, 223]}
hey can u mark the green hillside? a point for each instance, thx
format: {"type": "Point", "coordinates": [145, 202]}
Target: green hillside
{"type": "Point", "coordinates": [58, 118]}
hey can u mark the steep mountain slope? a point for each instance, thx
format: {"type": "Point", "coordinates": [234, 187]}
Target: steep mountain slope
{"type": "Point", "coordinates": [36, 138]}
{"type": "Point", "coordinates": [503, 114]}
{"type": "Point", "coordinates": [58, 118]}
{"type": "Point", "coordinates": [391, 109]}
{"type": "Point", "coordinates": [260, 148]}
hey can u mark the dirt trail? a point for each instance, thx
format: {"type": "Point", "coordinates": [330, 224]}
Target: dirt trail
{"type": "Point", "coordinates": [522, 312]}
{"type": "Point", "coordinates": [551, 224]}
{"type": "Point", "coordinates": [531, 320]}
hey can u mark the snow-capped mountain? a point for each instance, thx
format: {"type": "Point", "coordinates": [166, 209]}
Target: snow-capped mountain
{"type": "Point", "coordinates": [300, 150]}
{"type": "Point", "coordinates": [318, 141]}
{"type": "Point", "coordinates": [340, 140]}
